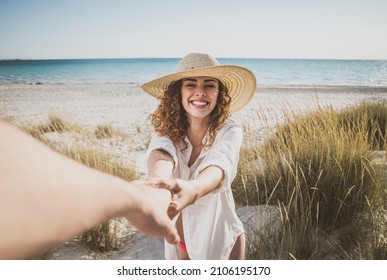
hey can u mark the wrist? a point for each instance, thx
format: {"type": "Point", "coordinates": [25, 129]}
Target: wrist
{"type": "Point", "coordinates": [195, 189]}
{"type": "Point", "coordinates": [127, 199]}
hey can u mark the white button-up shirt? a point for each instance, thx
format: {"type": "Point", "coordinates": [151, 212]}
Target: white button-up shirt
{"type": "Point", "coordinates": [210, 224]}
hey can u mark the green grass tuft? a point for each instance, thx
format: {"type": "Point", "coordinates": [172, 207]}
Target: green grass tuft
{"type": "Point", "coordinates": [318, 168]}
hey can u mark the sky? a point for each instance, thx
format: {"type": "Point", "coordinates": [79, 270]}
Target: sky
{"type": "Point", "coordinates": [65, 29]}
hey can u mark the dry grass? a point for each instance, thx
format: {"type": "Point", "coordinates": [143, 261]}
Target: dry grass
{"type": "Point", "coordinates": [108, 131]}
{"type": "Point", "coordinates": [56, 123]}
{"type": "Point", "coordinates": [318, 168]}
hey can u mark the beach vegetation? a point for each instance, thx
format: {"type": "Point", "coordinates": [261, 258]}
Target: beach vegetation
{"type": "Point", "coordinates": [59, 124]}
{"type": "Point", "coordinates": [319, 169]}
{"type": "Point", "coordinates": [108, 131]}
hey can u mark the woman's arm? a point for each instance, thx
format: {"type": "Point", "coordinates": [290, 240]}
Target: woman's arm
{"type": "Point", "coordinates": [160, 164]}
{"type": "Point", "coordinates": [47, 198]}
{"type": "Point", "coordinates": [218, 169]}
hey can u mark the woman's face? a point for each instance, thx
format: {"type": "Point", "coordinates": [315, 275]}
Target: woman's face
{"type": "Point", "coordinates": [199, 96]}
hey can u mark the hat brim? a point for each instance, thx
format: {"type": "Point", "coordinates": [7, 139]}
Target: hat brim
{"type": "Point", "coordinates": [240, 82]}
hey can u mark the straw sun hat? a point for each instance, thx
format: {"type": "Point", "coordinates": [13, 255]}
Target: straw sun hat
{"type": "Point", "coordinates": [239, 81]}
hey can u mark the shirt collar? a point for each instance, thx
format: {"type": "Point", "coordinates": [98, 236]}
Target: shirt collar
{"type": "Point", "coordinates": [205, 141]}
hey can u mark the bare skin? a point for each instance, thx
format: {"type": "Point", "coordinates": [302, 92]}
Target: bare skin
{"type": "Point", "coordinates": [46, 198]}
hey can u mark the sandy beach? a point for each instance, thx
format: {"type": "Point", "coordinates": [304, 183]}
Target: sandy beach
{"type": "Point", "coordinates": [127, 107]}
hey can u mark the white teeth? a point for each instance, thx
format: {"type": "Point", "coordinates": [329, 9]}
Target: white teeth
{"type": "Point", "coordinates": [199, 103]}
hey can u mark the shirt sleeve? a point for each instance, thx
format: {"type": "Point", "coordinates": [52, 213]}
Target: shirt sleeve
{"type": "Point", "coordinates": [162, 143]}
{"type": "Point", "coordinates": [225, 154]}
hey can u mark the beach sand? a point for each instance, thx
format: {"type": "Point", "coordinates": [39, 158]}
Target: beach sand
{"type": "Point", "coordinates": [127, 107]}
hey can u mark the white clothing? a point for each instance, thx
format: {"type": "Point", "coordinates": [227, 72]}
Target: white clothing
{"type": "Point", "coordinates": [210, 225]}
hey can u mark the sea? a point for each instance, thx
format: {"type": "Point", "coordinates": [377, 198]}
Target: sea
{"type": "Point", "coordinates": [293, 72]}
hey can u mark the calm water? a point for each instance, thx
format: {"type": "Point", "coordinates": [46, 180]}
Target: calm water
{"type": "Point", "coordinates": [137, 71]}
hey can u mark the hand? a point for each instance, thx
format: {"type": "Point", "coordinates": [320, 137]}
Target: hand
{"type": "Point", "coordinates": [183, 193]}
{"type": "Point", "coordinates": [151, 216]}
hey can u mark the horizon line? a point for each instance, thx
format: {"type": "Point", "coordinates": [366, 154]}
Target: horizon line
{"type": "Point", "coordinates": [148, 57]}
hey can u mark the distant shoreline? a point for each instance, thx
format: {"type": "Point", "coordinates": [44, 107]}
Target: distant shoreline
{"type": "Point", "coordinates": [221, 58]}
{"type": "Point", "coordinates": [306, 87]}
{"type": "Point", "coordinates": [331, 72]}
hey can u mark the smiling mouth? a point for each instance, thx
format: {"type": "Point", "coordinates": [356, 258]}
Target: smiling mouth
{"type": "Point", "coordinates": [199, 103]}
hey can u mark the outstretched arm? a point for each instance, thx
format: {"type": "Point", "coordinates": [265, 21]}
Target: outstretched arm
{"type": "Point", "coordinates": [47, 198]}
{"type": "Point", "coordinates": [217, 170]}
{"type": "Point", "coordinates": [160, 164]}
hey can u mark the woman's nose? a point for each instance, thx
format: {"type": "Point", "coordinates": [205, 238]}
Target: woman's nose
{"type": "Point", "coordinates": [200, 90]}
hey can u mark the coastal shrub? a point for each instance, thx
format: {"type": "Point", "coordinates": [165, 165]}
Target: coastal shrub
{"type": "Point", "coordinates": [319, 171]}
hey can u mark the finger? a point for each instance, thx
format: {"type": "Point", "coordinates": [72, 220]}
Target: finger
{"type": "Point", "coordinates": [154, 184]}
{"type": "Point", "coordinates": [159, 183]}
{"type": "Point", "coordinates": [166, 184]}
{"type": "Point", "coordinates": [173, 210]}
{"type": "Point", "coordinates": [172, 236]}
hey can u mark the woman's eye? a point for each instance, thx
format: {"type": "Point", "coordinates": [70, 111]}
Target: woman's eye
{"type": "Point", "coordinates": [210, 86]}
{"type": "Point", "coordinates": [190, 85]}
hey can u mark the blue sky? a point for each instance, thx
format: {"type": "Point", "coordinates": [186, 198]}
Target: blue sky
{"type": "Point", "coordinates": [51, 29]}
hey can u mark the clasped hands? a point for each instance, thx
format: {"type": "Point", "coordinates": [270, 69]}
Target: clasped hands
{"type": "Point", "coordinates": [183, 193]}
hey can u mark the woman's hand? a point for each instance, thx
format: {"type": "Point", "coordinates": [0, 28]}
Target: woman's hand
{"type": "Point", "coordinates": [150, 215]}
{"type": "Point", "coordinates": [186, 192]}
{"type": "Point", "coordinates": [183, 193]}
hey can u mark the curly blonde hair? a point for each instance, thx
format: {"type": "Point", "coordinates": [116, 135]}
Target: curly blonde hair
{"type": "Point", "coordinates": [170, 118]}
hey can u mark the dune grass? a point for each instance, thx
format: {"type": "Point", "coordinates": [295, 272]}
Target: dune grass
{"type": "Point", "coordinates": [108, 131]}
{"type": "Point", "coordinates": [318, 169]}
{"type": "Point", "coordinates": [55, 123]}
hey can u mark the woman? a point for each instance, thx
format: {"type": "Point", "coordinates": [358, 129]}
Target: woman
{"type": "Point", "coordinates": [196, 151]}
